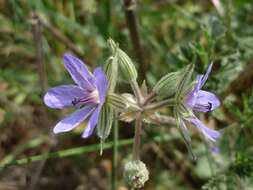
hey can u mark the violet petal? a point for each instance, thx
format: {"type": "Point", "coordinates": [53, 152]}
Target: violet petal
{"type": "Point", "coordinates": [209, 133]}
{"type": "Point", "coordinates": [73, 120]}
{"type": "Point", "coordinates": [205, 77]}
{"type": "Point", "coordinates": [101, 83]}
{"type": "Point", "coordinates": [78, 71]}
{"type": "Point", "coordinates": [92, 123]}
{"type": "Point", "coordinates": [192, 96]}
{"type": "Point", "coordinates": [63, 96]}
{"type": "Point", "coordinates": [206, 101]}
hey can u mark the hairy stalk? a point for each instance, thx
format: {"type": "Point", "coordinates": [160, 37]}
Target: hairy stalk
{"type": "Point", "coordinates": [161, 104]}
{"type": "Point", "coordinates": [162, 120]}
{"type": "Point", "coordinates": [137, 137]}
{"type": "Point", "coordinates": [149, 98]}
{"type": "Point", "coordinates": [137, 92]}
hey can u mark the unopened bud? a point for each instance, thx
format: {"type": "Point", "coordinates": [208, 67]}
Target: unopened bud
{"type": "Point", "coordinates": [136, 174]}
{"type": "Point", "coordinates": [172, 82]}
{"type": "Point", "coordinates": [111, 70]}
{"type": "Point", "coordinates": [117, 101]}
{"type": "Point", "coordinates": [167, 85]}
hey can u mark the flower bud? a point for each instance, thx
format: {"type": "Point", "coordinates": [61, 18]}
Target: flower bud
{"type": "Point", "coordinates": [136, 174]}
{"type": "Point", "coordinates": [126, 65]}
{"type": "Point", "coordinates": [170, 83]}
{"type": "Point", "coordinates": [117, 101]}
{"type": "Point", "coordinates": [167, 85]}
{"type": "Point", "coordinates": [111, 70]}
{"type": "Point", "coordinates": [185, 81]}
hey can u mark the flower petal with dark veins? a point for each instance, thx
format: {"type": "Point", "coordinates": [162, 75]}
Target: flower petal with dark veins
{"type": "Point", "coordinates": [63, 96]}
{"type": "Point", "coordinates": [79, 72]}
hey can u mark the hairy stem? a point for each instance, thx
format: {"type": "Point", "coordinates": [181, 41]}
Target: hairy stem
{"type": "Point", "coordinates": [137, 137]}
{"type": "Point", "coordinates": [137, 92]}
{"type": "Point", "coordinates": [149, 98]}
{"type": "Point", "coordinates": [163, 120]}
{"type": "Point", "coordinates": [161, 104]}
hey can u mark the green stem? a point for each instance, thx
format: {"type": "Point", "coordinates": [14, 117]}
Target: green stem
{"type": "Point", "coordinates": [82, 150]}
{"type": "Point", "coordinates": [115, 155]}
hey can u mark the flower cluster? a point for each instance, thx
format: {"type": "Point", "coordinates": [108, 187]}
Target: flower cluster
{"type": "Point", "coordinates": [95, 100]}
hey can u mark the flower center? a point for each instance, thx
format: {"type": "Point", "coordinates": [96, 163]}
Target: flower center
{"type": "Point", "coordinates": [95, 96]}
{"type": "Point", "coordinates": [89, 98]}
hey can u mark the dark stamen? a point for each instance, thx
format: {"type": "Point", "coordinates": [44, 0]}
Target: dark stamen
{"type": "Point", "coordinates": [75, 101]}
{"type": "Point", "coordinates": [210, 106]}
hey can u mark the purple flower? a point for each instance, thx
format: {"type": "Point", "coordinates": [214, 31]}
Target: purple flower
{"type": "Point", "coordinates": [202, 101]}
{"type": "Point", "coordinates": [88, 95]}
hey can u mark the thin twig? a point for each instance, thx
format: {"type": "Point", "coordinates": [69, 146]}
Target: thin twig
{"type": "Point", "coordinates": [129, 8]}
{"type": "Point", "coordinates": [37, 37]}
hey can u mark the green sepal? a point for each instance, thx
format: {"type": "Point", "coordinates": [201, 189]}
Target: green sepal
{"type": "Point", "coordinates": [111, 71]}
{"type": "Point", "coordinates": [184, 133]}
{"type": "Point", "coordinates": [104, 125]}
{"type": "Point", "coordinates": [117, 101]}
{"type": "Point", "coordinates": [125, 63]}
{"type": "Point", "coordinates": [185, 81]}
{"type": "Point", "coordinates": [173, 82]}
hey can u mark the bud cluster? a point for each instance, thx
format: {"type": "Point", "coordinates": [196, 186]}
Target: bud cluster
{"type": "Point", "coordinates": [136, 174]}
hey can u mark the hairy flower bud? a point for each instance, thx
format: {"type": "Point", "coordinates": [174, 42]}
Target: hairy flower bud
{"type": "Point", "coordinates": [170, 83]}
{"type": "Point", "coordinates": [136, 174]}
{"type": "Point", "coordinates": [111, 71]}
{"type": "Point", "coordinates": [117, 101]}
{"type": "Point", "coordinates": [126, 65]}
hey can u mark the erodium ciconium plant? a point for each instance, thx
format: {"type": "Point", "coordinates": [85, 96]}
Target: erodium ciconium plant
{"type": "Point", "coordinates": [96, 101]}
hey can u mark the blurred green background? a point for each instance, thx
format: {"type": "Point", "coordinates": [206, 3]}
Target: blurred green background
{"type": "Point", "coordinates": [172, 33]}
